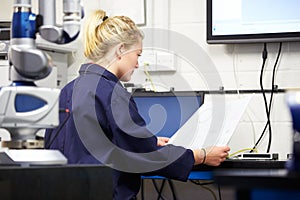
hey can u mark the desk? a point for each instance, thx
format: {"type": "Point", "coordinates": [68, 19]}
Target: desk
{"type": "Point", "coordinates": [67, 182]}
{"type": "Point", "coordinates": [244, 164]}
{"type": "Point", "coordinates": [275, 184]}
{"type": "Point", "coordinates": [206, 173]}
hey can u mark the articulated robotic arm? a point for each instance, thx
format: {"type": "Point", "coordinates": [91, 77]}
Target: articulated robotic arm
{"type": "Point", "coordinates": [25, 108]}
{"type": "Point", "coordinates": [28, 62]}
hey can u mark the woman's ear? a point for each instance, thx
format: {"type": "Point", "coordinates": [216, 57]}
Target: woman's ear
{"type": "Point", "coordinates": [120, 50]}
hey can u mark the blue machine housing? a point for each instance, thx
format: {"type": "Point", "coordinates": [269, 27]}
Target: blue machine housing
{"type": "Point", "coordinates": [24, 25]}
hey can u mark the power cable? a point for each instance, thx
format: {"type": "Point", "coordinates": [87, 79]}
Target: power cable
{"type": "Point", "coordinates": [274, 87]}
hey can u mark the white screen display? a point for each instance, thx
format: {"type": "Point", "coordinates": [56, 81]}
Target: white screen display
{"type": "Point", "coordinates": [240, 17]}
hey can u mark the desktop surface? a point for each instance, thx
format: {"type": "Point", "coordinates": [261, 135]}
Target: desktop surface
{"type": "Point", "coordinates": [236, 164]}
{"type": "Point", "coordinates": [56, 182]}
{"type": "Point", "coordinates": [253, 179]}
{"type": "Point", "coordinates": [205, 172]}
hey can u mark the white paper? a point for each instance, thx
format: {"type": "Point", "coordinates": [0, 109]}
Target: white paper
{"type": "Point", "coordinates": [200, 130]}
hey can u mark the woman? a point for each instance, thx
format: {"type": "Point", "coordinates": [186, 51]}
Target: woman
{"type": "Point", "coordinates": [104, 125]}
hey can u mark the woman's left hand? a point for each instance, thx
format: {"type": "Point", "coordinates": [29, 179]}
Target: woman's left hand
{"type": "Point", "coordinates": [162, 141]}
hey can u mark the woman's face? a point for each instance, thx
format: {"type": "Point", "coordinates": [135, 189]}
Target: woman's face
{"type": "Point", "coordinates": [129, 62]}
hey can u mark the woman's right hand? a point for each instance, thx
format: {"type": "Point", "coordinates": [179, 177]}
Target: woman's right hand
{"type": "Point", "coordinates": [212, 156]}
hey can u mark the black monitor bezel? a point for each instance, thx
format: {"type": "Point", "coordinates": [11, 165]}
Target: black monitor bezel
{"type": "Point", "coordinates": [144, 93]}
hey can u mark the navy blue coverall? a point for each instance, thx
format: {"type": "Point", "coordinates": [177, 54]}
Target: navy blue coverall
{"type": "Point", "coordinates": [100, 106]}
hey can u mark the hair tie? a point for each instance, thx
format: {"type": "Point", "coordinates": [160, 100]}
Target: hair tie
{"type": "Point", "coordinates": [104, 18]}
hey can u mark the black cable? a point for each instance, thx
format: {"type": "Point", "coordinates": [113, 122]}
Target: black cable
{"type": "Point", "coordinates": [219, 190]}
{"type": "Point", "coordinates": [274, 87]}
{"type": "Point", "coordinates": [197, 182]}
{"type": "Point", "coordinates": [273, 78]}
{"type": "Point", "coordinates": [264, 57]}
{"type": "Point", "coordinates": [203, 185]}
{"type": "Point", "coordinates": [265, 53]}
{"type": "Point", "coordinates": [59, 128]}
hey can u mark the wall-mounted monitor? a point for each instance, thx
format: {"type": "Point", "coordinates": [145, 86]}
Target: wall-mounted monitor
{"type": "Point", "coordinates": [252, 21]}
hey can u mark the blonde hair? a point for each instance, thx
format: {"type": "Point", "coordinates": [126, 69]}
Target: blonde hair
{"type": "Point", "coordinates": [102, 32]}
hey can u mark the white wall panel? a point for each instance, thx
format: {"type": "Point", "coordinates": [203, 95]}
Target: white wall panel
{"type": "Point", "coordinates": [188, 18]}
